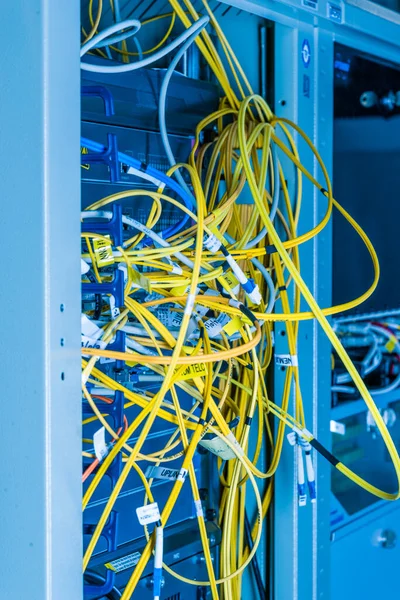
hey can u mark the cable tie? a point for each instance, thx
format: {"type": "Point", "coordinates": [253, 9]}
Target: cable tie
{"type": "Point", "coordinates": [248, 421]}
{"type": "Point", "coordinates": [270, 249]}
{"type": "Point", "coordinates": [282, 288]}
{"type": "Point", "coordinates": [143, 167]}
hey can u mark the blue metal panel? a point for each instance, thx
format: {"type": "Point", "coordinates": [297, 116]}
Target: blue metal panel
{"type": "Point", "coordinates": [40, 492]}
{"type": "Point", "coordinates": [371, 571]}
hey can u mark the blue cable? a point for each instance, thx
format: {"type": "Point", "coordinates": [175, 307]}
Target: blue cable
{"type": "Point", "coordinates": [137, 164]}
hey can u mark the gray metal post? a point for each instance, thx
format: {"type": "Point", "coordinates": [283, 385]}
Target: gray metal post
{"type": "Point", "coordinates": [40, 490]}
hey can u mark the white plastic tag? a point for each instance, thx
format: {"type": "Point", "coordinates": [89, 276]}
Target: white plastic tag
{"type": "Point", "coordinates": [148, 514]}
{"type": "Point", "coordinates": [124, 563]}
{"type": "Point", "coordinates": [164, 473]}
{"type": "Point", "coordinates": [84, 267]}
{"type": "Point", "coordinates": [163, 314]}
{"type": "Point", "coordinates": [215, 326]}
{"type": "Point", "coordinates": [99, 443]}
{"type": "Point", "coordinates": [88, 342]}
{"type": "Point", "coordinates": [198, 507]}
{"type": "Point", "coordinates": [175, 319]}
{"type": "Point", "coordinates": [337, 427]}
{"type": "Point", "coordinates": [90, 329]}
{"type": "Point", "coordinates": [220, 448]}
{"type": "Point", "coordinates": [113, 308]}
{"type": "Point", "coordinates": [203, 310]}
{"type": "Point", "coordinates": [286, 360]}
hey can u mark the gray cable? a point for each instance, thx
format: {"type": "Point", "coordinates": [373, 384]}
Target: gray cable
{"type": "Point", "coordinates": [163, 99]}
{"type": "Point", "coordinates": [268, 281]}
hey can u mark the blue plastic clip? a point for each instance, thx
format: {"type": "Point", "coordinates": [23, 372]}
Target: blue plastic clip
{"type": "Point", "coordinates": [110, 534]}
{"type": "Point", "coordinates": [112, 227]}
{"type": "Point", "coordinates": [115, 409]}
{"type": "Point", "coordinates": [115, 288]}
{"type": "Point", "coordinates": [98, 91]}
{"type": "Point", "coordinates": [109, 157]}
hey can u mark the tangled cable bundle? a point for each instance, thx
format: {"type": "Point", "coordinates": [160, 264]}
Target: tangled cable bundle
{"type": "Point", "coordinates": [200, 300]}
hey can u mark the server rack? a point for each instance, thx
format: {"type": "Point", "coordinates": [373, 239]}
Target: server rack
{"type": "Point", "coordinates": [39, 126]}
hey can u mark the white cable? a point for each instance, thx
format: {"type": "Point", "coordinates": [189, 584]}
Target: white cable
{"type": "Point", "coordinates": [139, 348]}
{"type": "Point", "coordinates": [158, 561]}
{"type": "Point", "coordinates": [87, 214]}
{"type": "Point", "coordinates": [107, 34]}
{"type": "Point", "coordinates": [125, 68]}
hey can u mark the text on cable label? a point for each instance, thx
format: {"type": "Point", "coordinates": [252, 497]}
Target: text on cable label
{"type": "Point", "coordinates": [149, 513]}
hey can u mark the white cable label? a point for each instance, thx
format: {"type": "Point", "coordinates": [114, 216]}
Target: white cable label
{"type": "Point", "coordinates": [113, 308]}
{"type": "Point", "coordinates": [189, 304]}
{"type": "Point", "coordinates": [337, 427]}
{"type": "Point", "coordinates": [168, 474]}
{"type": "Point", "coordinates": [88, 342]}
{"type": "Point", "coordinates": [99, 443]}
{"type": "Point", "coordinates": [218, 447]}
{"type": "Point", "coordinates": [235, 443]}
{"type": "Point", "coordinates": [198, 508]}
{"type": "Point", "coordinates": [182, 475]}
{"type": "Point", "coordinates": [148, 514]}
{"type": "Point", "coordinates": [90, 329]}
{"type": "Point", "coordinates": [175, 319]}
{"type": "Point", "coordinates": [162, 314]}
{"type": "Point", "coordinates": [215, 326]}
{"type": "Point", "coordinates": [84, 267]}
{"type": "Point", "coordinates": [123, 563]}
{"type": "Point", "coordinates": [203, 310]}
{"type": "Point", "coordinates": [286, 360]}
